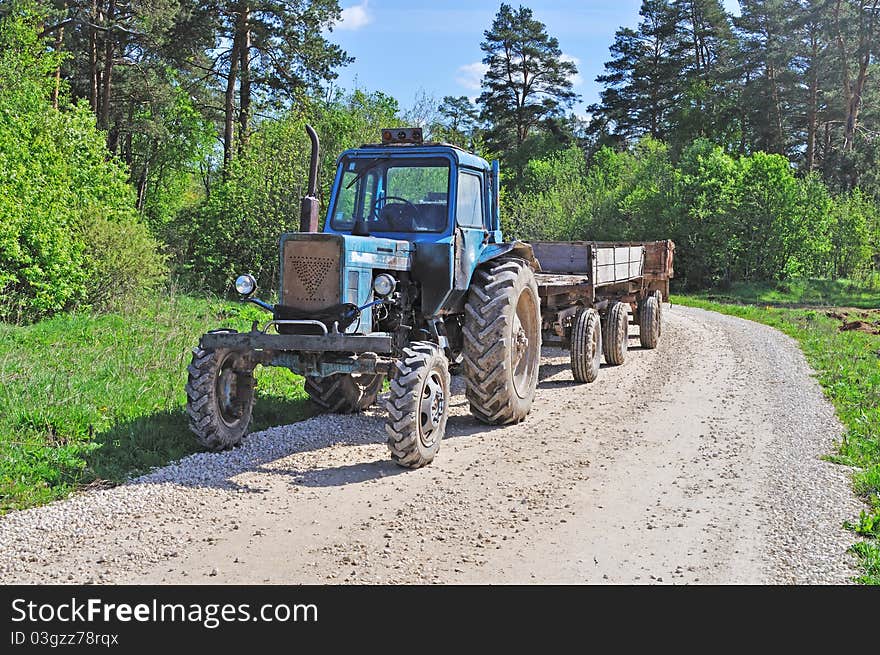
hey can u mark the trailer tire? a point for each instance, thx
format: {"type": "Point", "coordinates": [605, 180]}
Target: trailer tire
{"type": "Point", "coordinates": [344, 393]}
{"type": "Point", "coordinates": [418, 405]}
{"type": "Point", "coordinates": [649, 322]}
{"type": "Point", "coordinates": [502, 342]}
{"type": "Point", "coordinates": [219, 397]}
{"type": "Point", "coordinates": [616, 334]}
{"type": "Point", "coordinates": [659, 296]}
{"type": "Point", "coordinates": [586, 345]}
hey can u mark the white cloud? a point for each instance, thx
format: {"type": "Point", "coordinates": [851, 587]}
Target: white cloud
{"type": "Point", "coordinates": [576, 79]}
{"type": "Point", "coordinates": [355, 17]}
{"type": "Point", "coordinates": [471, 75]}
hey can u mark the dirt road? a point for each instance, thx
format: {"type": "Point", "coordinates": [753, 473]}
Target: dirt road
{"type": "Point", "coordinates": [697, 462]}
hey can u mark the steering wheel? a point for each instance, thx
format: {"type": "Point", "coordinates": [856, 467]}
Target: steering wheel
{"type": "Point", "coordinates": [376, 202]}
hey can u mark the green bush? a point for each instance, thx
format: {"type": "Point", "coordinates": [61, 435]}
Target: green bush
{"type": "Point", "coordinates": [747, 218]}
{"type": "Point", "coordinates": [236, 230]}
{"type": "Point", "coordinates": [67, 215]}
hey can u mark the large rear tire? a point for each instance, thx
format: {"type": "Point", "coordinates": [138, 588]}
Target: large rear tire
{"type": "Point", "coordinates": [649, 322]}
{"type": "Point", "coordinates": [220, 397]}
{"type": "Point", "coordinates": [586, 345]}
{"type": "Point", "coordinates": [418, 405]}
{"type": "Point", "coordinates": [616, 334]}
{"type": "Point", "coordinates": [502, 342]}
{"type": "Point", "coordinates": [344, 393]}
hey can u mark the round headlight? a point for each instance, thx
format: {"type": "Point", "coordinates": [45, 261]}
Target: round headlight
{"type": "Point", "coordinates": [245, 284]}
{"type": "Point", "coordinates": [384, 284]}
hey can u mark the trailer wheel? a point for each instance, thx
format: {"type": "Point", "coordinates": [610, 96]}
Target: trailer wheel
{"type": "Point", "coordinates": [616, 333]}
{"type": "Point", "coordinates": [659, 296]}
{"type": "Point", "coordinates": [344, 393]}
{"type": "Point", "coordinates": [219, 397]}
{"type": "Point", "coordinates": [418, 405]}
{"type": "Point", "coordinates": [502, 342]}
{"type": "Point", "coordinates": [649, 322]}
{"type": "Point", "coordinates": [586, 345]}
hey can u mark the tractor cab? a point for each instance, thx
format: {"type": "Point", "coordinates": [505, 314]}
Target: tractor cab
{"type": "Point", "coordinates": [406, 189]}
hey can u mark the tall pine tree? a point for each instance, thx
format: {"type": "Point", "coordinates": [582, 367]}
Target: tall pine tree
{"type": "Point", "coordinates": [527, 81]}
{"type": "Point", "coordinates": [641, 81]}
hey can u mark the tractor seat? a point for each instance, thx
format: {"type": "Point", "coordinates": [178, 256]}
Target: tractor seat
{"type": "Point", "coordinates": [431, 218]}
{"type": "Point", "coordinates": [398, 217]}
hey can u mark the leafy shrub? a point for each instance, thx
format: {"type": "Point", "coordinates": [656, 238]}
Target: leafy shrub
{"type": "Point", "coordinates": [732, 218]}
{"type": "Point", "coordinates": [236, 230]}
{"type": "Point", "coordinates": [61, 196]}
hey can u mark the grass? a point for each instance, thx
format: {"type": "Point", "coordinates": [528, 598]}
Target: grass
{"type": "Point", "coordinates": [86, 398]}
{"type": "Point", "coordinates": [847, 365]}
{"type": "Point", "coordinates": [796, 293]}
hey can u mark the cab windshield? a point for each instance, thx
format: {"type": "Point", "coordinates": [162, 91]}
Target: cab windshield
{"type": "Point", "coordinates": [393, 195]}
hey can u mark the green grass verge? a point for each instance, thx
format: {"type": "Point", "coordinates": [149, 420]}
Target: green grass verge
{"type": "Point", "coordinates": [807, 292]}
{"type": "Point", "coordinates": [847, 365]}
{"type": "Point", "coordinates": [86, 398]}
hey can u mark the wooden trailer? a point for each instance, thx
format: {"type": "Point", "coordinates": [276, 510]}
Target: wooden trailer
{"type": "Point", "coordinates": [591, 291]}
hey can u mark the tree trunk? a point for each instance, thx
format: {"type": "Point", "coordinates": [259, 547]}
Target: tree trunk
{"type": "Point", "coordinates": [59, 41]}
{"type": "Point", "coordinates": [229, 100]}
{"type": "Point", "coordinates": [778, 144]}
{"type": "Point", "coordinates": [93, 59]}
{"type": "Point", "coordinates": [852, 90]}
{"type": "Point", "coordinates": [854, 105]}
{"type": "Point", "coordinates": [244, 91]}
{"type": "Point", "coordinates": [142, 185]}
{"type": "Point", "coordinates": [109, 51]}
{"type": "Point", "coordinates": [812, 102]}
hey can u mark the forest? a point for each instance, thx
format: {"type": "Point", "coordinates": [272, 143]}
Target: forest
{"type": "Point", "coordinates": [151, 150]}
{"type": "Point", "coordinates": [154, 145]}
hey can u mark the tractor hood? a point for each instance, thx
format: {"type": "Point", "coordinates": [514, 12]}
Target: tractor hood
{"type": "Point", "coordinates": [320, 270]}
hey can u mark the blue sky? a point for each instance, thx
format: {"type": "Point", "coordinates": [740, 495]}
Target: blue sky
{"type": "Point", "coordinates": [403, 47]}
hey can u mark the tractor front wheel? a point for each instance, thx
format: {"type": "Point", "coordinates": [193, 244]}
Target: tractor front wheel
{"type": "Point", "coordinates": [220, 397]}
{"type": "Point", "coordinates": [418, 405]}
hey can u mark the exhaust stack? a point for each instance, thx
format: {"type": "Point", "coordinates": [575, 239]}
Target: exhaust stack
{"type": "Point", "coordinates": [309, 206]}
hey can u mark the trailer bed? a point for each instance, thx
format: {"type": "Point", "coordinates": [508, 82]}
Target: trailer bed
{"type": "Point", "coordinates": [579, 271]}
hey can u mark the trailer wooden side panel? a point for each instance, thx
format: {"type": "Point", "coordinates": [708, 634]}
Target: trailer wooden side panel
{"type": "Point", "coordinates": [604, 263]}
{"type": "Point", "coordinates": [616, 264]}
{"type": "Point", "coordinates": [566, 257]}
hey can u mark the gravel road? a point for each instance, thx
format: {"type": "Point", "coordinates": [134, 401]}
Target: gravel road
{"type": "Point", "coordinates": [697, 462]}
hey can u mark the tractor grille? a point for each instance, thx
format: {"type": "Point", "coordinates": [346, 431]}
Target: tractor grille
{"type": "Point", "coordinates": [311, 274]}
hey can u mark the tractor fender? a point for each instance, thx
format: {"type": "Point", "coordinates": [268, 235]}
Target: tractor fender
{"type": "Point", "coordinates": [518, 249]}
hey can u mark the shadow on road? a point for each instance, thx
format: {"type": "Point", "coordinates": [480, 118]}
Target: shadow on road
{"type": "Point", "coordinates": [260, 449]}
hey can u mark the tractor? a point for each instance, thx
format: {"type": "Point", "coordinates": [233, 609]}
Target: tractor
{"type": "Point", "coordinates": [410, 277]}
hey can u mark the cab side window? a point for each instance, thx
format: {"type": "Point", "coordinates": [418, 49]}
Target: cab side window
{"type": "Point", "coordinates": [469, 204]}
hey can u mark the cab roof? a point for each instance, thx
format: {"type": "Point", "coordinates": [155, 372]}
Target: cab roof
{"type": "Point", "coordinates": [461, 156]}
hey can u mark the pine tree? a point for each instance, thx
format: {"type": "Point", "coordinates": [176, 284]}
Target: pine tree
{"type": "Point", "coordinates": [769, 45]}
{"type": "Point", "coordinates": [705, 46]}
{"type": "Point", "coordinates": [527, 80]}
{"type": "Point", "coordinates": [641, 81]}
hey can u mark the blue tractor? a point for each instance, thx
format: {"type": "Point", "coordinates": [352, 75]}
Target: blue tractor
{"type": "Point", "coordinates": [411, 276]}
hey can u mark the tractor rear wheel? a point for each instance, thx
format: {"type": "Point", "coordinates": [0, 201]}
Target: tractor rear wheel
{"type": "Point", "coordinates": [220, 397]}
{"type": "Point", "coordinates": [344, 393]}
{"type": "Point", "coordinates": [649, 322]}
{"type": "Point", "coordinates": [418, 405]}
{"type": "Point", "coordinates": [616, 333]}
{"type": "Point", "coordinates": [586, 345]}
{"type": "Point", "coordinates": [502, 342]}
